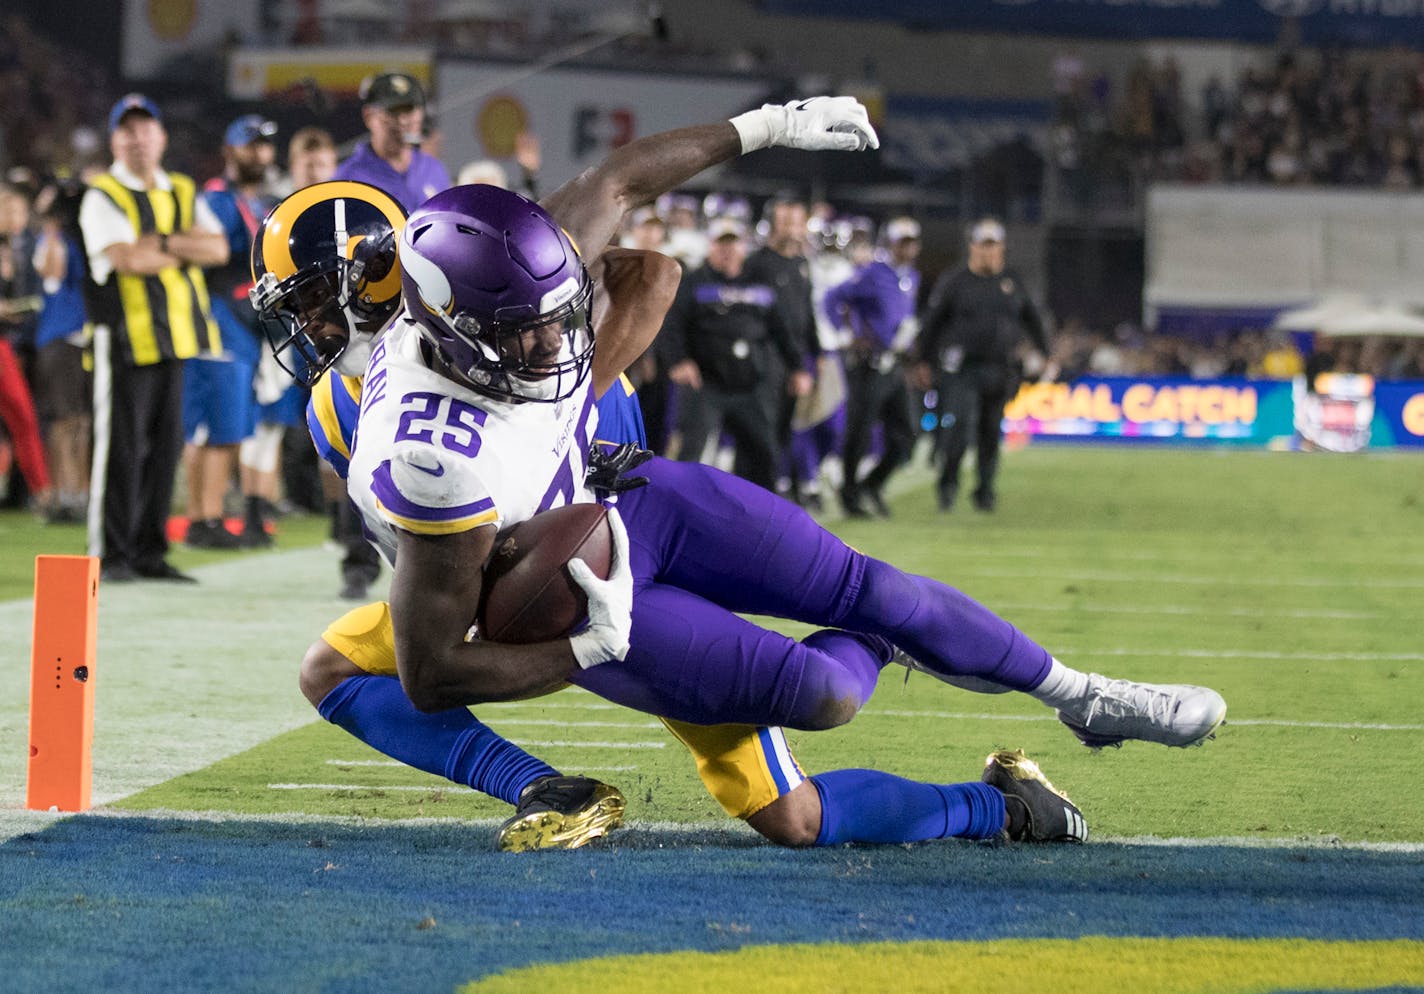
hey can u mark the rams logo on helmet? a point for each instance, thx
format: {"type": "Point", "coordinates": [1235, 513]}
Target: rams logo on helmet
{"type": "Point", "coordinates": [325, 275]}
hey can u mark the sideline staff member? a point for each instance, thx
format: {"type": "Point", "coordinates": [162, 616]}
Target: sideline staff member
{"type": "Point", "coordinates": [393, 110]}
{"type": "Point", "coordinates": [726, 344]}
{"type": "Point", "coordinates": [969, 338]}
{"type": "Point", "coordinates": [146, 234]}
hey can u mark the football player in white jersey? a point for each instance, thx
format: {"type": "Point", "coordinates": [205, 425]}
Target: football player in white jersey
{"type": "Point", "coordinates": [479, 400]}
{"type": "Point", "coordinates": [328, 269]}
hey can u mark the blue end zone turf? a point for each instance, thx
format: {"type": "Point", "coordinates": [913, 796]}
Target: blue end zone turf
{"type": "Point", "coordinates": [141, 904]}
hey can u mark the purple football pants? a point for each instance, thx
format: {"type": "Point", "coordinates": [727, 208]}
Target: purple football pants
{"type": "Point", "coordinates": [706, 545]}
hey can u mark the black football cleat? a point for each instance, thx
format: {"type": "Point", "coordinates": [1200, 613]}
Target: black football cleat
{"type": "Point", "coordinates": [1037, 811]}
{"type": "Point", "coordinates": [562, 813]}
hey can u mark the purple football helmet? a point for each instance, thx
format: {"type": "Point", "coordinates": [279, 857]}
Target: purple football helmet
{"type": "Point", "coordinates": [499, 292]}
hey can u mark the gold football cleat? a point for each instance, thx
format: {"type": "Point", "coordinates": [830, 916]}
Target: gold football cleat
{"type": "Point", "coordinates": [1037, 810]}
{"type": "Point", "coordinates": [562, 813]}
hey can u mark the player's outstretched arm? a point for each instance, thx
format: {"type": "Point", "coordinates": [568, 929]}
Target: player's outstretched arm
{"type": "Point", "coordinates": [638, 288]}
{"type": "Point", "coordinates": [591, 206]}
{"type": "Point", "coordinates": [434, 591]}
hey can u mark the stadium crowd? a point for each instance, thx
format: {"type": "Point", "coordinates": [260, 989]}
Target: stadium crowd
{"type": "Point", "coordinates": [1331, 118]}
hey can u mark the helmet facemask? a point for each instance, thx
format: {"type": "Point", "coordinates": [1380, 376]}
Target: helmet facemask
{"type": "Point", "coordinates": [321, 317]}
{"type": "Point", "coordinates": [524, 354]}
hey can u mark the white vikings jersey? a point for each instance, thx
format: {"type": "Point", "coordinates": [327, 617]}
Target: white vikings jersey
{"type": "Point", "coordinates": [433, 457]}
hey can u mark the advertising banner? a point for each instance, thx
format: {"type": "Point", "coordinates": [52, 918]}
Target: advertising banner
{"type": "Point", "coordinates": [1287, 248]}
{"type": "Point", "coordinates": [158, 30]}
{"type": "Point", "coordinates": [1346, 414]}
{"type": "Point", "coordinates": [255, 74]}
{"type": "Point", "coordinates": [580, 115]}
{"type": "Point", "coordinates": [1342, 22]}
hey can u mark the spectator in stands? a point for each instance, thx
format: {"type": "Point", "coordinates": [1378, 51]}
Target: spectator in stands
{"type": "Point", "coordinates": [1408, 362]}
{"type": "Point", "coordinates": [393, 110]}
{"type": "Point", "coordinates": [1282, 360]}
{"type": "Point", "coordinates": [876, 307]}
{"type": "Point", "coordinates": [969, 344]}
{"type": "Point", "coordinates": [63, 387]}
{"type": "Point", "coordinates": [1327, 118]}
{"type": "Point", "coordinates": [147, 234]}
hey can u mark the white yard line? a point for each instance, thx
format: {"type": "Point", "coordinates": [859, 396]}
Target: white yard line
{"type": "Point", "coordinates": [578, 724]}
{"type": "Point", "coordinates": [1353, 657]}
{"type": "Point", "coordinates": [593, 745]}
{"type": "Point", "coordinates": [366, 762]}
{"type": "Point", "coordinates": [877, 712]}
{"type": "Point", "coordinates": [1222, 579]}
{"type": "Point", "coordinates": [432, 788]}
{"type": "Point", "coordinates": [1227, 556]}
{"type": "Point", "coordinates": [1173, 610]}
{"type": "Point", "coordinates": [1230, 721]}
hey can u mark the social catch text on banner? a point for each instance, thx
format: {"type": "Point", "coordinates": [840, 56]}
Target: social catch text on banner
{"type": "Point", "coordinates": [1347, 413]}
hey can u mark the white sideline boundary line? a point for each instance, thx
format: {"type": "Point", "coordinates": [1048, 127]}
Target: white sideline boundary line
{"type": "Point", "coordinates": [1222, 580]}
{"type": "Point", "coordinates": [1231, 722]}
{"type": "Point", "coordinates": [1182, 610]}
{"type": "Point", "coordinates": [563, 744]}
{"type": "Point", "coordinates": [1251, 654]}
{"type": "Point", "coordinates": [397, 764]}
{"type": "Point", "coordinates": [638, 725]}
{"type": "Point", "coordinates": [732, 827]}
{"type": "Point", "coordinates": [1226, 556]}
{"type": "Point", "coordinates": [435, 788]}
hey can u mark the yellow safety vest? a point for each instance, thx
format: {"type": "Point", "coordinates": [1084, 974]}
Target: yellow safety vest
{"type": "Point", "coordinates": [166, 315]}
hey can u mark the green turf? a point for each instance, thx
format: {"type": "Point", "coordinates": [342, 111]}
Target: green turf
{"type": "Point", "coordinates": [23, 536]}
{"type": "Point", "coordinates": [1290, 582]}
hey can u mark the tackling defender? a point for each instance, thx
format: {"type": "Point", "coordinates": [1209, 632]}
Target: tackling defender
{"type": "Point", "coordinates": [749, 770]}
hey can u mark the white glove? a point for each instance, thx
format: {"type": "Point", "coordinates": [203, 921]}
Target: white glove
{"type": "Point", "coordinates": [836, 123]}
{"type": "Point", "coordinates": [610, 603]}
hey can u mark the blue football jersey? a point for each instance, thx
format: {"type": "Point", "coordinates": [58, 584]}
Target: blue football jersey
{"type": "Point", "coordinates": [620, 419]}
{"type": "Point", "coordinates": [331, 418]}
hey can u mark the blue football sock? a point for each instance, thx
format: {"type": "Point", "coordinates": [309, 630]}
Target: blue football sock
{"type": "Point", "coordinates": [870, 806]}
{"type": "Point", "coordinates": [450, 744]}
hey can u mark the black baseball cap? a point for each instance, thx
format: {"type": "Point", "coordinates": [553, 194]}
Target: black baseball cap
{"type": "Point", "coordinates": [391, 91]}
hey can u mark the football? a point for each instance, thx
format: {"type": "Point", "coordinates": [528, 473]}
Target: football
{"type": "Point", "coordinates": [528, 594]}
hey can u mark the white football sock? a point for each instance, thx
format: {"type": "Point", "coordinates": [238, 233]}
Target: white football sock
{"type": "Point", "coordinates": [1062, 686]}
